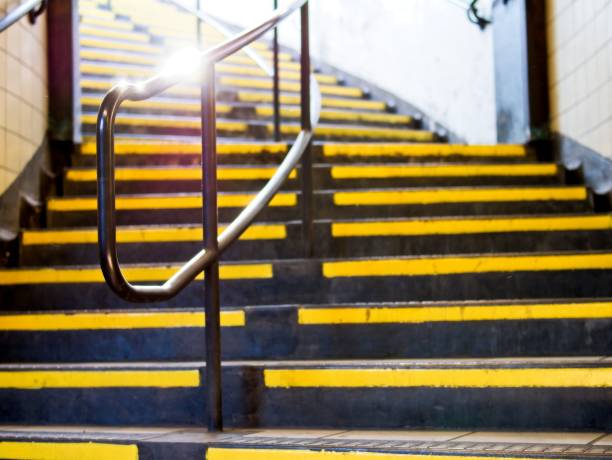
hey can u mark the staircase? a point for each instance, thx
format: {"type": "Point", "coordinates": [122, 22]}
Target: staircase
{"type": "Point", "coordinates": [454, 287]}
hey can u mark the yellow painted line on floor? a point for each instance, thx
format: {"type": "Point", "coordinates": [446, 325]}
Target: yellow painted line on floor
{"type": "Point", "coordinates": [338, 115]}
{"type": "Point", "coordinates": [419, 227]}
{"type": "Point", "coordinates": [114, 320]}
{"type": "Point", "coordinates": [102, 378]}
{"type": "Point", "coordinates": [416, 135]}
{"type": "Point", "coordinates": [114, 34]}
{"type": "Point", "coordinates": [125, 71]}
{"type": "Point", "coordinates": [439, 378]}
{"type": "Point", "coordinates": [117, 57]}
{"type": "Point", "coordinates": [146, 235]}
{"type": "Point", "coordinates": [402, 170]}
{"type": "Point", "coordinates": [28, 450]}
{"type": "Point", "coordinates": [134, 274]}
{"type": "Point", "coordinates": [222, 453]}
{"type": "Point", "coordinates": [158, 105]}
{"type": "Point", "coordinates": [364, 104]}
{"type": "Point", "coordinates": [359, 149]}
{"type": "Point", "coordinates": [160, 122]}
{"type": "Point", "coordinates": [434, 266]}
{"type": "Point", "coordinates": [126, 203]}
{"type": "Point", "coordinates": [175, 148]}
{"type": "Point", "coordinates": [459, 195]}
{"type": "Point", "coordinates": [164, 174]}
{"type": "Point", "coordinates": [114, 24]}
{"type": "Point", "coordinates": [346, 91]}
{"type": "Point", "coordinates": [254, 71]}
{"type": "Point", "coordinates": [417, 315]}
{"type": "Point", "coordinates": [118, 45]}
{"type": "Point", "coordinates": [97, 13]}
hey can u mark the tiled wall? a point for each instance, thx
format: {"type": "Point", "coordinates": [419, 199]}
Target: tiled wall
{"type": "Point", "coordinates": [580, 66]}
{"type": "Point", "coordinates": [23, 93]}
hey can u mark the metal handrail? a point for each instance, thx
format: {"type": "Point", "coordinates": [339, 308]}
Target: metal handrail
{"type": "Point", "coordinates": [270, 71]}
{"type": "Point", "coordinates": [31, 8]}
{"type": "Point", "coordinates": [208, 19]}
{"type": "Point", "coordinates": [206, 260]}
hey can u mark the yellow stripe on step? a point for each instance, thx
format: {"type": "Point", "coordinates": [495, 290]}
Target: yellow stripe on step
{"type": "Point", "coordinates": [338, 115]}
{"type": "Point", "coordinates": [118, 45]}
{"type": "Point", "coordinates": [135, 274]}
{"type": "Point", "coordinates": [160, 122]}
{"type": "Point", "coordinates": [164, 174]}
{"type": "Point", "coordinates": [126, 203]}
{"type": "Point", "coordinates": [146, 235]}
{"type": "Point", "coordinates": [439, 378]}
{"type": "Point", "coordinates": [117, 57]}
{"type": "Point", "coordinates": [174, 148]}
{"type": "Point", "coordinates": [418, 227]}
{"type": "Point", "coordinates": [346, 91]}
{"type": "Point", "coordinates": [114, 320]}
{"type": "Point", "coordinates": [459, 195]}
{"type": "Point", "coordinates": [158, 105]}
{"type": "Point", "coordinates": [426, 314]}
{"type": "Point", "coordinates": [113, 34]}
{"type": "Point", "coordinates": [359, 149]}
{"type": "Point", "coordinates": [434, 266]}
{"type": "Point", "coordinates": [247, 96]}
{"type": "Point", "coordinates": [254, 71]}
{"type": "Point", "coordinates": [102, 378]}
{"type": "Point", "coordinates": [28, 450]}
{"type": "Point", "coordinates": [386, 172]}
{"type": "Point", "coordinates": [221, 453]}
{"type": "Point", "coordinates": [101, 22]}
{"type": "Point", "coordinates": [124, 71]}
{"type": "Point", "coordinates": [362, 131]}
{"type": "Point", "coordinates": [97, 13]}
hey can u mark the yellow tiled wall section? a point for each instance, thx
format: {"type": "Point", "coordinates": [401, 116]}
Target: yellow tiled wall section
{"type": "Point", "coordinates": [23, 93]}
{"type": "Point", "coordinates": [580, 66]}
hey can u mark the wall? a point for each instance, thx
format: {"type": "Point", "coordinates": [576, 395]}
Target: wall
{"type": "Point", "coordinates": [423, 51]}
{"type": "Point", "coordinates": [580, 71]}
{"type": "Point", "coordinates": [23, 94]}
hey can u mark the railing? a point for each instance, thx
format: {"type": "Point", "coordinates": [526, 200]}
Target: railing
{"type": "Point", "coordinates": [31, 8]}
{"type": "Point", "coordinates": [273, 72]}
{"type": "Point", "coordinates": [206, 260]}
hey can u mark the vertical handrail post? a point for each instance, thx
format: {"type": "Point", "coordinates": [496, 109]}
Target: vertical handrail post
{"type": "Point", "coordinates": [199, 24]}
{"type": "Point", "coordinates": [211, 273]}
{"type": "Point", "coordinates": [276, 82]}
{"type": "Point", "coordinates": [306, 164]}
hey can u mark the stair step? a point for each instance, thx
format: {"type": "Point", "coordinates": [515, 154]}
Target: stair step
{"type": "Point", "coordinates": [346, 204]}
{"type": "Point", "coordinates": [358, 238]}
{"type": "Point", "coordinates": [307, 332]}
{"type": "Point", "coordinates": [148, 69]}
{"type": "Point", "coordinates": [467, 394]}
{"type": "Point", "coordinates": [133, 443]}
{"type": "Point", "coordinates": [173, 150]}
{"type": "Point", "coordinates": [389, 279]}
{"type": "Point", "coordinates": [82, 181]}
{"type": "Point", "coordinates": [178, 106]}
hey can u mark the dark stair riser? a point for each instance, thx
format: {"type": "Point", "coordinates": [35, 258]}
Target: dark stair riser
{"type": "Point", "coordinates": [249, 404]}
{"type": "Point", "coordinates": [327, 247]}
{"type": "Point", "coordinates": [188, 159]}
{"type": "Point", "coordinates": [322, 180]}
{"type": "Point", "coordinates": [274, 333]}
{"type": "Point", "coordinates": [299, 282]}
{"type": "Point", "coordinates": [324, 209]}
{"type": "Point", "coordinates": [248, 112]}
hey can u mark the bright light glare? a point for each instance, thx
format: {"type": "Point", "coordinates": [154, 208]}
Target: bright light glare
{"type": "Point", "coordinates": [183, 63]}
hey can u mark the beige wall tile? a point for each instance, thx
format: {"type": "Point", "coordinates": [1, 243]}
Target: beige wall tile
{"type": "Point", "coordinates": [580, 79]}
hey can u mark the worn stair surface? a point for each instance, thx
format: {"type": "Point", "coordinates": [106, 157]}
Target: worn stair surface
{"type": "Point", "coordinates": [452, 287]}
